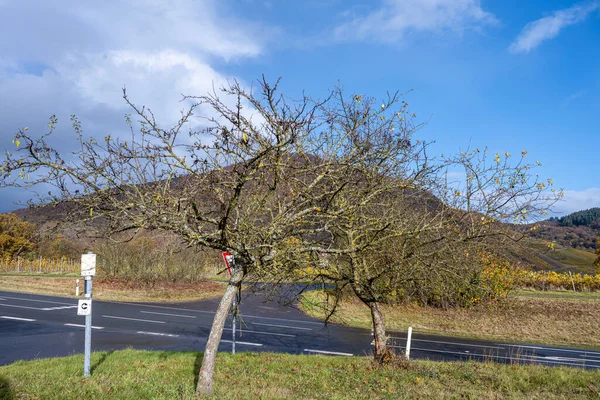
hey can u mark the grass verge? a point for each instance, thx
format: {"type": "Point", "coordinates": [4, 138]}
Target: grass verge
{"type": "Point", "coordinates": [533, 317]}
{"type": "Point", "coordinates": [579, 261]}
{"type": "Point", "coordinates": [557, 295]}
{"type": "Point", "coordinates": [112, 290]}
{"type": "Point", "coordinates": [133, 374]}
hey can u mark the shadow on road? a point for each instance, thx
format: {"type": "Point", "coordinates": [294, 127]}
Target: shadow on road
{"type": "Point", "coordinates": [6, 392]}
{"type": "Point", "coordinates": [100, 361]}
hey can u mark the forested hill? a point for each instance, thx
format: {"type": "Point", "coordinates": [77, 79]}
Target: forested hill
{"type": "Point", "coordinates": [589, 217]}
{"type": "Point", "coordinates": [578, 230]}
{"type": "Point", "coordinates": [574, 237]}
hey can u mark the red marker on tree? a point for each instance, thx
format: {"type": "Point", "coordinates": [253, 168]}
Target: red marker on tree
{"type": "Point", "coordinates": [229, 261]}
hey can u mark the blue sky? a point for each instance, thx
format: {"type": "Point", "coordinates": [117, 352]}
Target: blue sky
{"type": "Point", "coordinates": [510, 75]}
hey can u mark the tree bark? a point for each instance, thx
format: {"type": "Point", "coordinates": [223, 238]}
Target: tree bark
{"type": "Point", "coordinates": [378, 331]}
{"type": "Point", "coordinates": [205, 377]}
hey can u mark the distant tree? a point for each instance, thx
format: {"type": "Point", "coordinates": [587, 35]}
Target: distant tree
{"type": "Point", "coordinates": [280, 183]}
{"type": "Point", "coordinates": [581, 218]}
{"type": "Point", "coordinates": [149, 260]}
{"type": "Point", "coordinates": [16, 235]}
{"type": "Point", "coordinates": [57, 245]}
{"type": "Point", "coordinates": [576, 236]}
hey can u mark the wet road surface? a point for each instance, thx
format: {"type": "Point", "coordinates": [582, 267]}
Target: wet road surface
{"type": "Point", "coordinates": [35, 326]}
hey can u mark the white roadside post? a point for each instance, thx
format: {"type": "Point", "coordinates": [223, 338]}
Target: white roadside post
{"type": "Point", "coordinates": [230, 264]}
{"type": "Point", "coordinates": [88, 270]}
{"type": "Point", "coordinates": [572, 281]}
{"type": "Point", "coordinates": [76, 287]}
{"type": "Point", "coordinates": [408, 339]}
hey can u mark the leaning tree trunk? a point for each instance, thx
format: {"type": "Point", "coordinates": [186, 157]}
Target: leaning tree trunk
{"type": "Point", "coordinates": [205, 377]}
{"type": "Point", "coordinates": [378, 331]}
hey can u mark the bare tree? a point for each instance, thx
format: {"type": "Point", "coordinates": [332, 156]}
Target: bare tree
{"type": "Point", "coordinates": [274, 181]}
{"type": "Point", "coordinates": [260, 179]}
{"type": "Point", "coordinates": [420, 236]}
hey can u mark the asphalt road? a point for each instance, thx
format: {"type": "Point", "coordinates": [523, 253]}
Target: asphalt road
{"type": "Point", "coordinates": [34, 326]}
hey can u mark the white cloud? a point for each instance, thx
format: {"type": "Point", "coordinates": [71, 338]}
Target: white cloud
{"type": "Point", "coordinates": [158, 79]}
{"type": "Point", "coordinates": [180, 24]}
{"type": "Point", "coordinates": [157, 49]}
{"type": "Point", "coordinates": [394, 18]}
{"type": "Point", "coordinates": [536, 32]}
{"type": "Point", "coordinates": [576, 200]}
{"type": "Point", "coordinates": [56, 26]}
{"type": "Point", "coordinates": [73, 57]}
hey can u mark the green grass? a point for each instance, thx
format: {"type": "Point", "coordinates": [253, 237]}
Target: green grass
{"type": "Point", "coordinates": [578, 261]}
{"type": "Point", "coordinates": [556, 295]}
{"type": "Point", "coordinates": [133, 374]}
{"type": "Point", "coordinates": [581, 261]}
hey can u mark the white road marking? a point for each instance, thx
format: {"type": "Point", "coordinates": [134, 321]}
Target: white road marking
{"type": "Point", "coordinates": [450, 352]}
{"type": "Point", "coordinates": [588, 355]}
{"type": "Point", "coordinates": [57, 308]}
{"type": "Point", "coordinates": [172, 315]}
{"type": "Point", "coordinates": [2, 298]}
{"type": "Point", "coordinates": [39, 301]}
{"type": "Point", "coordinates": [563, 359]}
{"type": "Point", "coordinates": [523, 357]}
{"type": "Point", "coordinates": [157, 334]}
{"type": "Point", "coordinates": [15, 306]}
{"type": "Point", "coordinates": [162, 307]}
{"type": "Point", "coordinates": [333, 353]}
{"type": "Point", "coordinates": [283, 319]}
{"type": "Point", "coordinates": [528, 347]}
{"type": "Point", "coordinates": [244, 343]}
{"type": "Point", "coordinates": [574, 362]}
{"type": "Point", "coordinates": [455, 343]}
{"type": "Point", "coordinates": [37, 308]}
{"type": "Point", "coordinates": [573, 351]}
{"type": "Point", "coordinates": [459, 344]}
{"type": "Point", "coordinates": [83, 326]}
{"type": "Point", "coordinates": [212, 313]}
{"type": "Point", "coordinates": [568, 359]}
{"type": "Point", "coordinates": [283, 326]}
{"type": "Point", "coordinates": [261, 333]}
{"type": "Point", "coordinates": [582, 351]}
{"type": "Point", "coordinates": [135, 319]}
{"type": "Point", "coordinates": [18, 319]}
